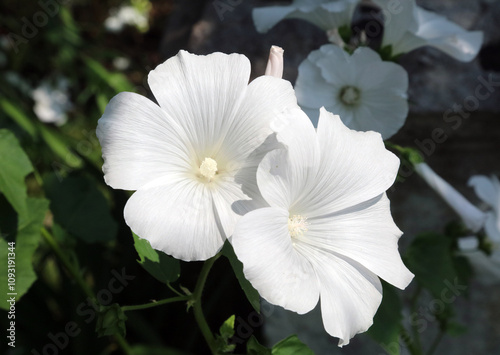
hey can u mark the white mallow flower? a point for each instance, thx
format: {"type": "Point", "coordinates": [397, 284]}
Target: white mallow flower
{"type": "Point", "coordinates": [366, 92]}
{"type": "Point", "coordinates": [328, 231]}
{"type": "Point", "coordinates": [472, 216]}
{"type": "Point", "coordinates": [192, 156]}
{"type": "Point", "coordinates": [329, 15]}
{"type": "Point", "coordinates": [126, 15]}
{"type": "Point", "coordinates": [408, 26]}
{"type": "Point", "coordinates": [52, 102]}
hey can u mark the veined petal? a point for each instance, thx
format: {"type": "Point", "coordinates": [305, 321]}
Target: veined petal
{"type": "Point", "coordinates": [350, 295]}
{"type": "Point", "coordinates": [176, 217]}
{"type": "Point", "coordinates": [140, 142]}
{"type": "Point", "coordinates": [365, 233]}
{"type": "Point", "coordinates": [285, 174]}
{"type": "Point", "coordinates": [283, 277]}
{"type": "Point", "coordinates": [355, 167]}
{"type": "Point", "coordinates": [202, 93]}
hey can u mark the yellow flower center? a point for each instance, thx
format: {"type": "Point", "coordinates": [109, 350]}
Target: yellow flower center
{"type": "Point", "coordinates": [208, 168]}
{"type": "Point", "coordinates": [297, 225]}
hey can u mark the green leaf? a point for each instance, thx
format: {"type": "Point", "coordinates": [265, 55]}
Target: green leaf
{"type": "Point", "coordinates": [60, 147]}
{"type": "Point", "coordinates": [111, 320]}
{"type": "Point", "coordinates": [226, 332]}
{"type": "Point", "coordinates": [18, 116]}
{"type": "Point", "coordinates": [80, 208]}
{"type": "Point", "coordinates": [387, 321]}
{"type": "Point", "coordinates": [455, 329]}
{"type": "Point", "coordinates": [160, 265]}
{"type": "Point", "coordinates": [117, 81]}
{"type": "Point", "coordinates": [250, 291]}
{"type": "Point", "coordinates": [28, 238]}
{"type": "Point", "coordinates": [429, 257]}
{"type": "Point", "coordinates": [254, 348]}
{"type": "Point", "coordinates": [291, 346]}
{"type": "Point", "coordinates": [14, 167]}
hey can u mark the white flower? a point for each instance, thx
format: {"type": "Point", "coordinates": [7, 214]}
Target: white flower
{"type": "Point", "coordinates": [52, 102]}
{"type": "Point", "coordinates": [488, 190]}
{"type": "Point", "coordinates": [366, 92]}
{"type": "Point", "coordinates": [193, 156]}
{"type": "Point", "coordinates": [472, 216]}
{"type": "Point", "coordinates": [328, 231]}
{"type": "Point", "coordinates": [407, 27]}
{"type": "Point", "coordinates": [126, 15]}
{"type": "Point", "coordinates": [328, 15]}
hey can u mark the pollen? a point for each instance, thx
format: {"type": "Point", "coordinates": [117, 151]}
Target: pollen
{"type": "Point", "coordinates": [208, 168]}
{"type": "Point", "coordinates": [297, 226]}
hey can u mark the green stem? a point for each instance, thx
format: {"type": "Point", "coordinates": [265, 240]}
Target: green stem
{"type": "Point", "coordinates": [156, 303]}
{"type": "Point", "coordinates": [75, 274]}
{"type": "Point", "coordinates": [174, 290]}
{"type": "Point", "coordinates": [436, 342]}
{"type": "Point", "coordinates": [198, 311]}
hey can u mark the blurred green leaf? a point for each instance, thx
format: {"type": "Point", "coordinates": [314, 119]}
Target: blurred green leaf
{"type": "Point", "coordinates": [250, 291]}
{"type": "Point", "coordinates": [111, 320]}
{"type": "Point", "coordinates": [116, 81]}
{"type": "Point", "coordinates": [387, 321]}
{"type": "Point", "coordinates": [18, 116]}
{"type": "Point", "coordinates": [455, 329]}
{"type": "Point", "coordinates": [60, 147]}
{"type": "Point", "coordinates": [155, 350]}
{"type": "Point", "coordinates": [430, 258]}
{"type": "Point", "coordinates": [160, 265]}
{"type": "Point", "coordinates": [80, 208]}
{"type": "Point", "coordinates": [14, 167]}
{"type": "Point", "coordinates": [28, 238]}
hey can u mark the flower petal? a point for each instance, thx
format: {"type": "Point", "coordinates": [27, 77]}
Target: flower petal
{"type": "Point", "coordinates": [285, 174]}
{"type": "Point", "coordinates": [140, 142]}
{"type": "Point", "coordinates": [362, 169]}
{"type": "Point", "coordinates": [447, 36]}
{"type": "Point", "coordinates": [282, 276]}
{"type": "Point", "coordinates": [365, 233]}
{"type": "Point", "coordinates": [487, 189]}
{"type": "Point", "coordinates": [350, 295]}
{"type": "Point", "coordinates": [202, 93]}
{"type": "Point", "coordinates": [492, 226]}
{"type": "Point", "coordinates": [176, 217]}
{"type": "Point", "coordinates": [267, 17]}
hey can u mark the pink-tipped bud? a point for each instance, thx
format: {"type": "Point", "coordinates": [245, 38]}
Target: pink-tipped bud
{"type": "Point", "coordinates": [275, 62]}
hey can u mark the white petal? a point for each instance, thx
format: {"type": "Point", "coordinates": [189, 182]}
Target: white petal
{"type": "Point", "coordinates": [336, 66]}
{"type": "Point", "coordinates": [487, 267]}
{"type": "Point", "coordinates": [312, 90]}
{"type": "Point", "coordinates": [365, 233]}
{"type": "Point", "coordinates": [400, 18]}
{"type": "Point", "coordinates": [202, 93]}
{"type": "Point", "coordinates": [176, 217]}
{"type": "Point", "coordinates": [266, 98]}
{"type": "Point", "coordinates": [140, 142]}
{"type": "Point", "coordinates": [285, 174]}
{"type": "Point", "coordinates": [468, 243]}
{"type": "Point", "coordinates": [355, 167]}
{"type": "Point", "coordinates": [492, 226]}
{"type": "Point", "coordinates": [472, 217]}
{"type": "Point", "coordinates": [350, 295]}
{"type": "Point", "coordinates": [487, 189]}
{"type": "Point", "coordinates": [447, 36]}
{"type": "Point", "coordinates": [281, 275]}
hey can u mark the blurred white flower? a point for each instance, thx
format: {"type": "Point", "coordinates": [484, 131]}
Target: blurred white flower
{"type": "Point", "coordinates": [121, 63]}
{"type": "Point", "coordinates": [366, 92]}
{"type": "Point", "coordinates": [192, 158]}
{"type": "Point", "coordinates": [52, 102]}
{"type": "Point", "coordinates": [326, 14]}
{"type": "Point", "coordinates": [126, 15]}
{"type": "Point", "coordinates": [488, 190]}
{"type": "Point", "coordinates": [408, 26]}
{"type": "Point", "coordinates": [472, 216]}
{"type": "Point", "coordinates": [328, 232]}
